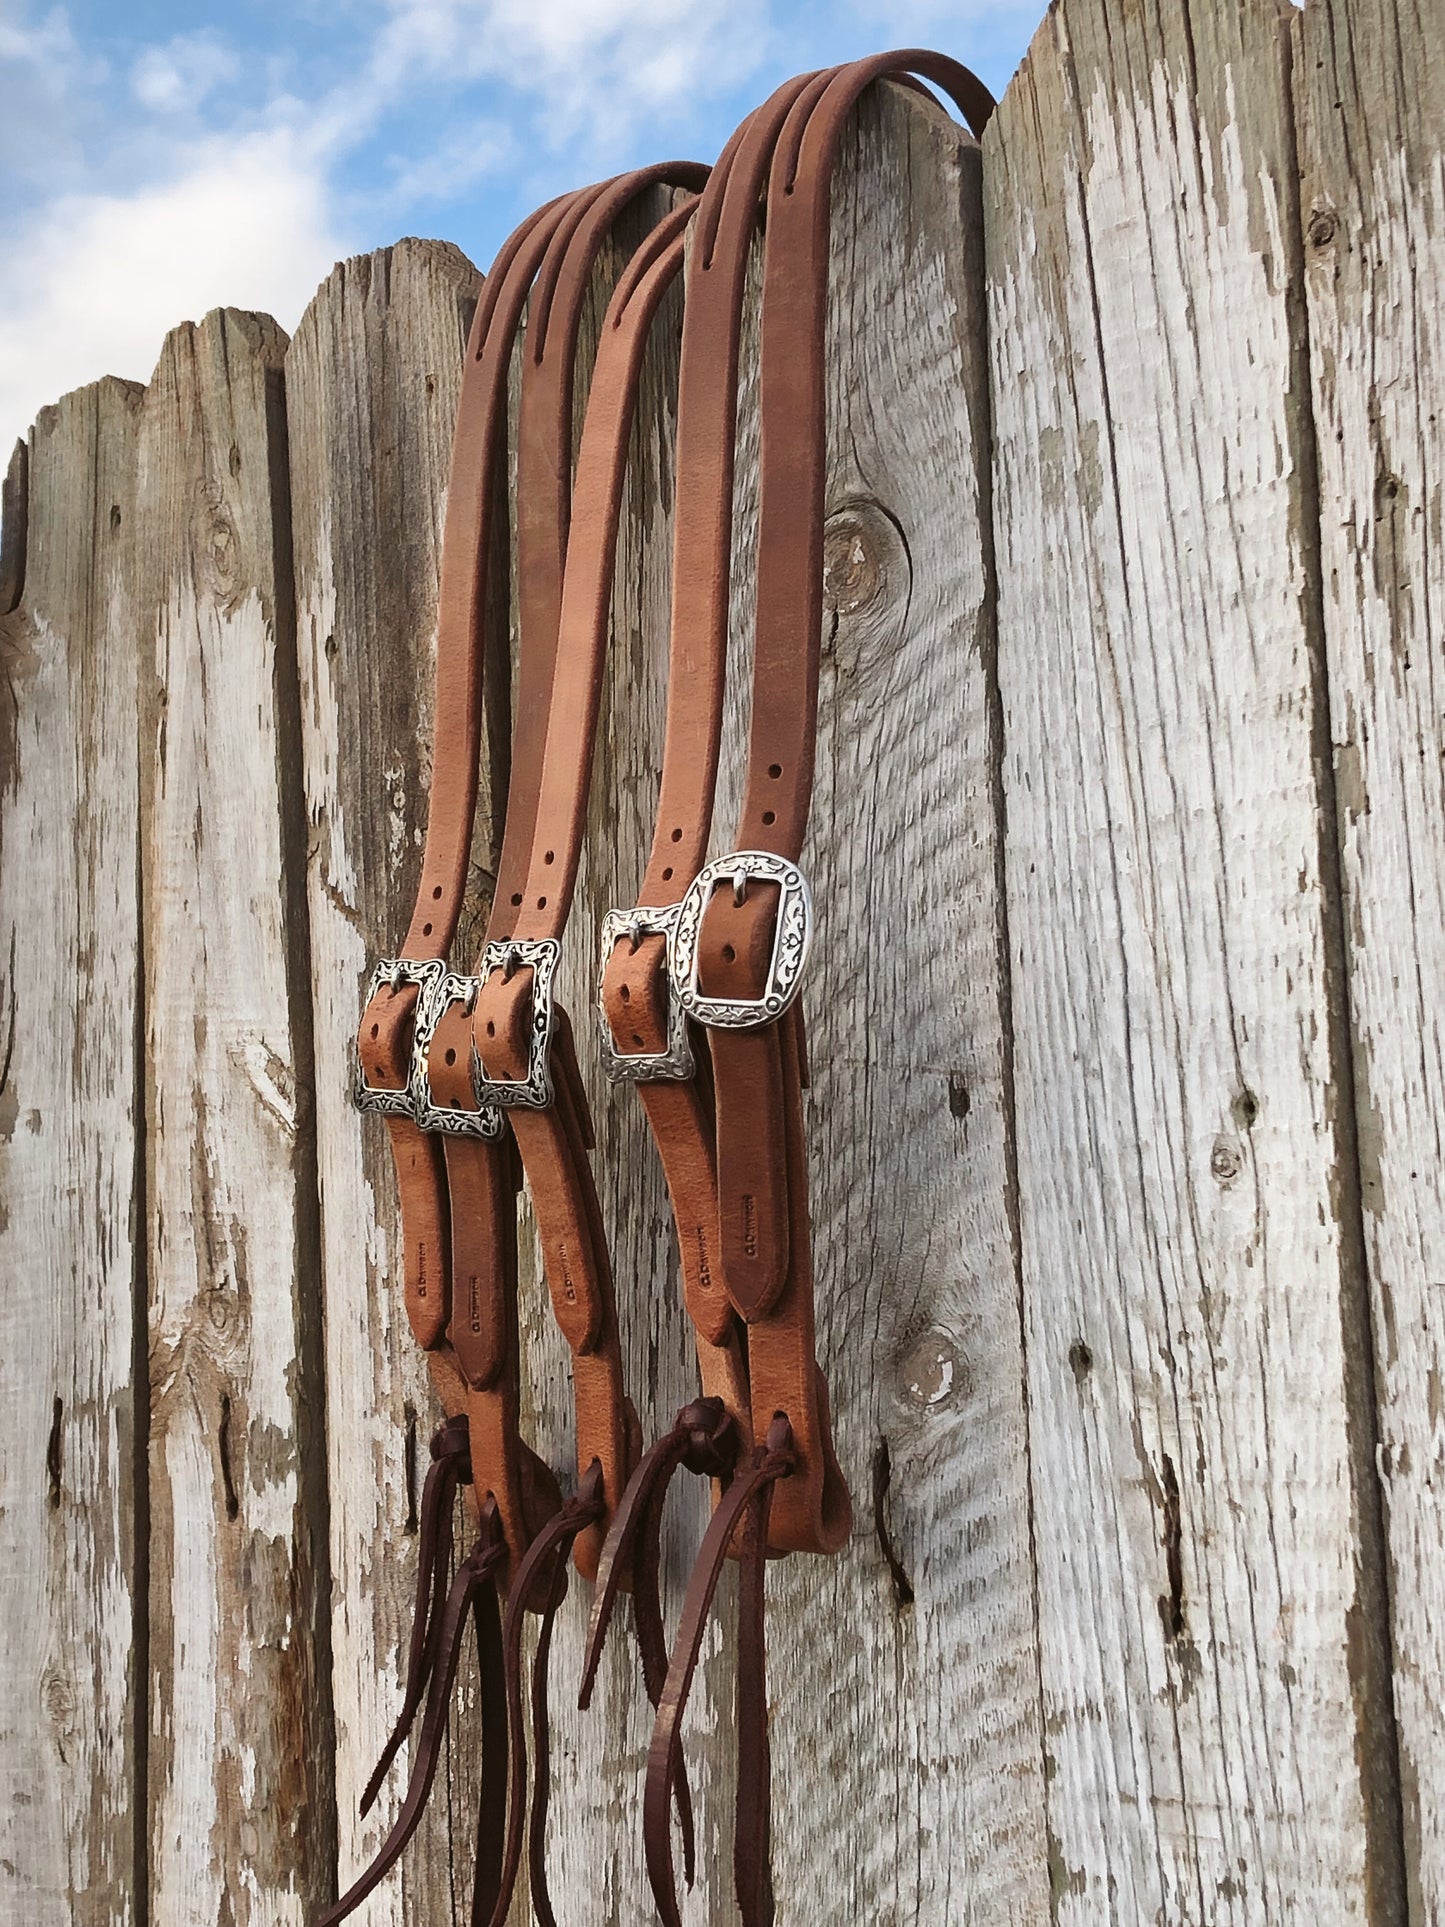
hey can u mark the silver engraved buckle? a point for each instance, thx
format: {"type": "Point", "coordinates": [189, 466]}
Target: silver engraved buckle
{"type": "Point", "coordinates": [539, 954]}
{"type": "Point", "coordinates": [792, 939]}
{"type": "Point", "coordinates": [393, 973]}
{"type": "Point", "coordinates": [674, 1062]}
{"type": "Point", "coordinates": [485, 1120]}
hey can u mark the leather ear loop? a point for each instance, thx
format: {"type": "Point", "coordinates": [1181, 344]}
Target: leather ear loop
{"type": "Point", "coordinates": [554, 1141]}
{"type": "Point", "coordinates": [634, 982]}
{"type": "Point", "coordinates": [427, 1227]}
{"type": "Point", "coordinates": [762, 1175]}
{"type": "Point", "coordinates": [472, 1593]}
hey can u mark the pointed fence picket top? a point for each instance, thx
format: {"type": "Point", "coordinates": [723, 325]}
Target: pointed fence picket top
{"type": "Point", "coordinates": [1125, 1095]}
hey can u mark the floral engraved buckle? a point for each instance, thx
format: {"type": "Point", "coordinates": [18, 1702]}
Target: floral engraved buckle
{"type": "Point", "coordinates": [539, 955]}
{"type": "Point", "coordinates": [393, 973]}
{"type": "Point", "coordinates": [792, 939]}
{"type": "Point", "coordinates": [675, 1061]}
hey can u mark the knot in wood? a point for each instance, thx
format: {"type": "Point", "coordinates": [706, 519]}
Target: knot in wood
{"type": "Point", "coordinates": [852, 566]}
{"type": "Point", "coordinates": [931, 1372]}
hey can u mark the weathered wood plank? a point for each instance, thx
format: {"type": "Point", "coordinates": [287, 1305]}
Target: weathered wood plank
{"type": "Point", "coordinates": [1370, 97]}
{"type": "Point", "coordinates": [908, 1742]}
{"type": "Point", "coordinates": [372, 379]}
{"type": "Point", "coordinates": [239, 1796]}
{"type": "Point", "coordinates": [72, 1648]}
{"type": "Point", "coordinates": [1218, 1749]}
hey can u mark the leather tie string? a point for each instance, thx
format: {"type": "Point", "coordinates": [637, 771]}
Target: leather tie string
{"type": "Point", "coordinates": [704, 1438]}
{"type": "Point", "coordinates": [745, 1504]}
{"type": "Point", "coordinates": [450, 1468]}
{"type": "Point", "coordinates": [545, 1566]}
{"type": "Point", "coordinates": [473, 1593]}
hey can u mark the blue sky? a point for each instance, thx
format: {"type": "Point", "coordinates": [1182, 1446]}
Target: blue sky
{"type": "Point", "coordinates": [153, 165]}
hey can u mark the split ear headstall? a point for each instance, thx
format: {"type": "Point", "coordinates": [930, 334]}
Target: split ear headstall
{"type": "Point", "coordinates": [477, 1074]}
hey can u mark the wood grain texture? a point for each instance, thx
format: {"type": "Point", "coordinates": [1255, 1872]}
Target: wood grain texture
{"type": "Point", "coordinates": [1217, 1747]}
{"type": "Point", "coordinates": [907, 1736]}
{"type": "Point", "coordinates": [71, 1609]}
{"type": "Point", "coordinates": [1370, 99]}
{"type": "Point", "coordinates": [239, 1783]}
{"type": "Point", "coordinates": [372, 379]}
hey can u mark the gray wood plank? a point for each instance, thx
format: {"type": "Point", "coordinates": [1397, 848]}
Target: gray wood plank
{"type": "Point", "coordinates": [239, 1783]}
{"type": "Point", "coordinates": [72, 1611]}
{"type": "Point", "coordinates": [372, 378]}
{"type": "Point", "coordinates": [1370, 98]}
{"type": "Point", "coordinates": [1209, 1617]}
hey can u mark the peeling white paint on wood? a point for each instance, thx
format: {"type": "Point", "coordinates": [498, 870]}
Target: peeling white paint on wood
{"type": "Point", "coordinates": [239, 1786]}
{"type": "Point", "coordinates": [69, 998]}
{"type": "Point", "coordinates": [1371, 103]}
{"type": "Point", "coordinates": [1169, 895]}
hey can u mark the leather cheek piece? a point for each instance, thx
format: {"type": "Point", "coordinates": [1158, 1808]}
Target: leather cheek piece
{"type": "Point", "coordinates": [574, 1276]}
{"type": "Point", "coordinates": [634, 995]}
{"type": "Point", "coordinates": [449, 1060]}
{"type": "Point", "coordinates": [811, 1509]}
{"type": "Point", "coordinates": [425, 1229]}
{"type": "Point", "coordinates": [484, 1256]}
{"type": "Point", "coordinates": [502, 1024]}
{"type": "Point", "coordinates": [735, 952]}
{"type": "Point", "coordinates": [384, 1040]}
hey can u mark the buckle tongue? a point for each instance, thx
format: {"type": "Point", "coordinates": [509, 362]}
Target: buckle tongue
{"type": "Point", "coordinates": [792, 940]}
{"type": "Point", "coordinates": [673, 1063]}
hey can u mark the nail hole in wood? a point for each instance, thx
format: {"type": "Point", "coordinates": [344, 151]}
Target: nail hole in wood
{"type": "Point", "coordinates": [223, 1445]}
{"type": "Point", "coordinates": [53, 1448]}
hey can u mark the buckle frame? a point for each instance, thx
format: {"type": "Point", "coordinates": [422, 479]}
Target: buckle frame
{"type": "Point", "coordinates": [486, 1121]}
{"type": "Point", "coordinates": [540, 955]}
{"type": "Point", "coordinates": [674, 1063]}
{"type": "Point", "coordinates": [792, 940]}
{"type": "Point", "coordinates": [393, 973]}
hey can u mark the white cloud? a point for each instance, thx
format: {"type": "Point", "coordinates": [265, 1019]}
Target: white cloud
{"type": "Point", "coordinates": [596, 67]}
{"type": "Point", "coordinates": [241, 222]}
{"type": "Point", "coordinates": [176, 78]}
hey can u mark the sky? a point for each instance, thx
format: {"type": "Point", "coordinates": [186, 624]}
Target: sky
{"type": "Point", "coordinates": [154, 166]}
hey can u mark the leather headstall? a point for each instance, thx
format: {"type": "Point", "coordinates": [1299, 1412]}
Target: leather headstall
{"type": "Point", "coordinates": [477, 1074]}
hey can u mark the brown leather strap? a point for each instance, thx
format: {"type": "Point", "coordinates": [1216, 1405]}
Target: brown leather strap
{"type": "Point", "coordinates": [492, 1794]}
{"type": "Point", "coordinates": [705, 1438]}
{"type": "Point", "coordinates": [752, 1826]}
{"type": "Point", "coordinates": [474, 1576]}
{"type": "Point", "coordinates": [769, 1463]}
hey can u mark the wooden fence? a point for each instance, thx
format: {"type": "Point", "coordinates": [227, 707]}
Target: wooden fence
{"type": "Point", "coordinates": [1128, 1096]}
